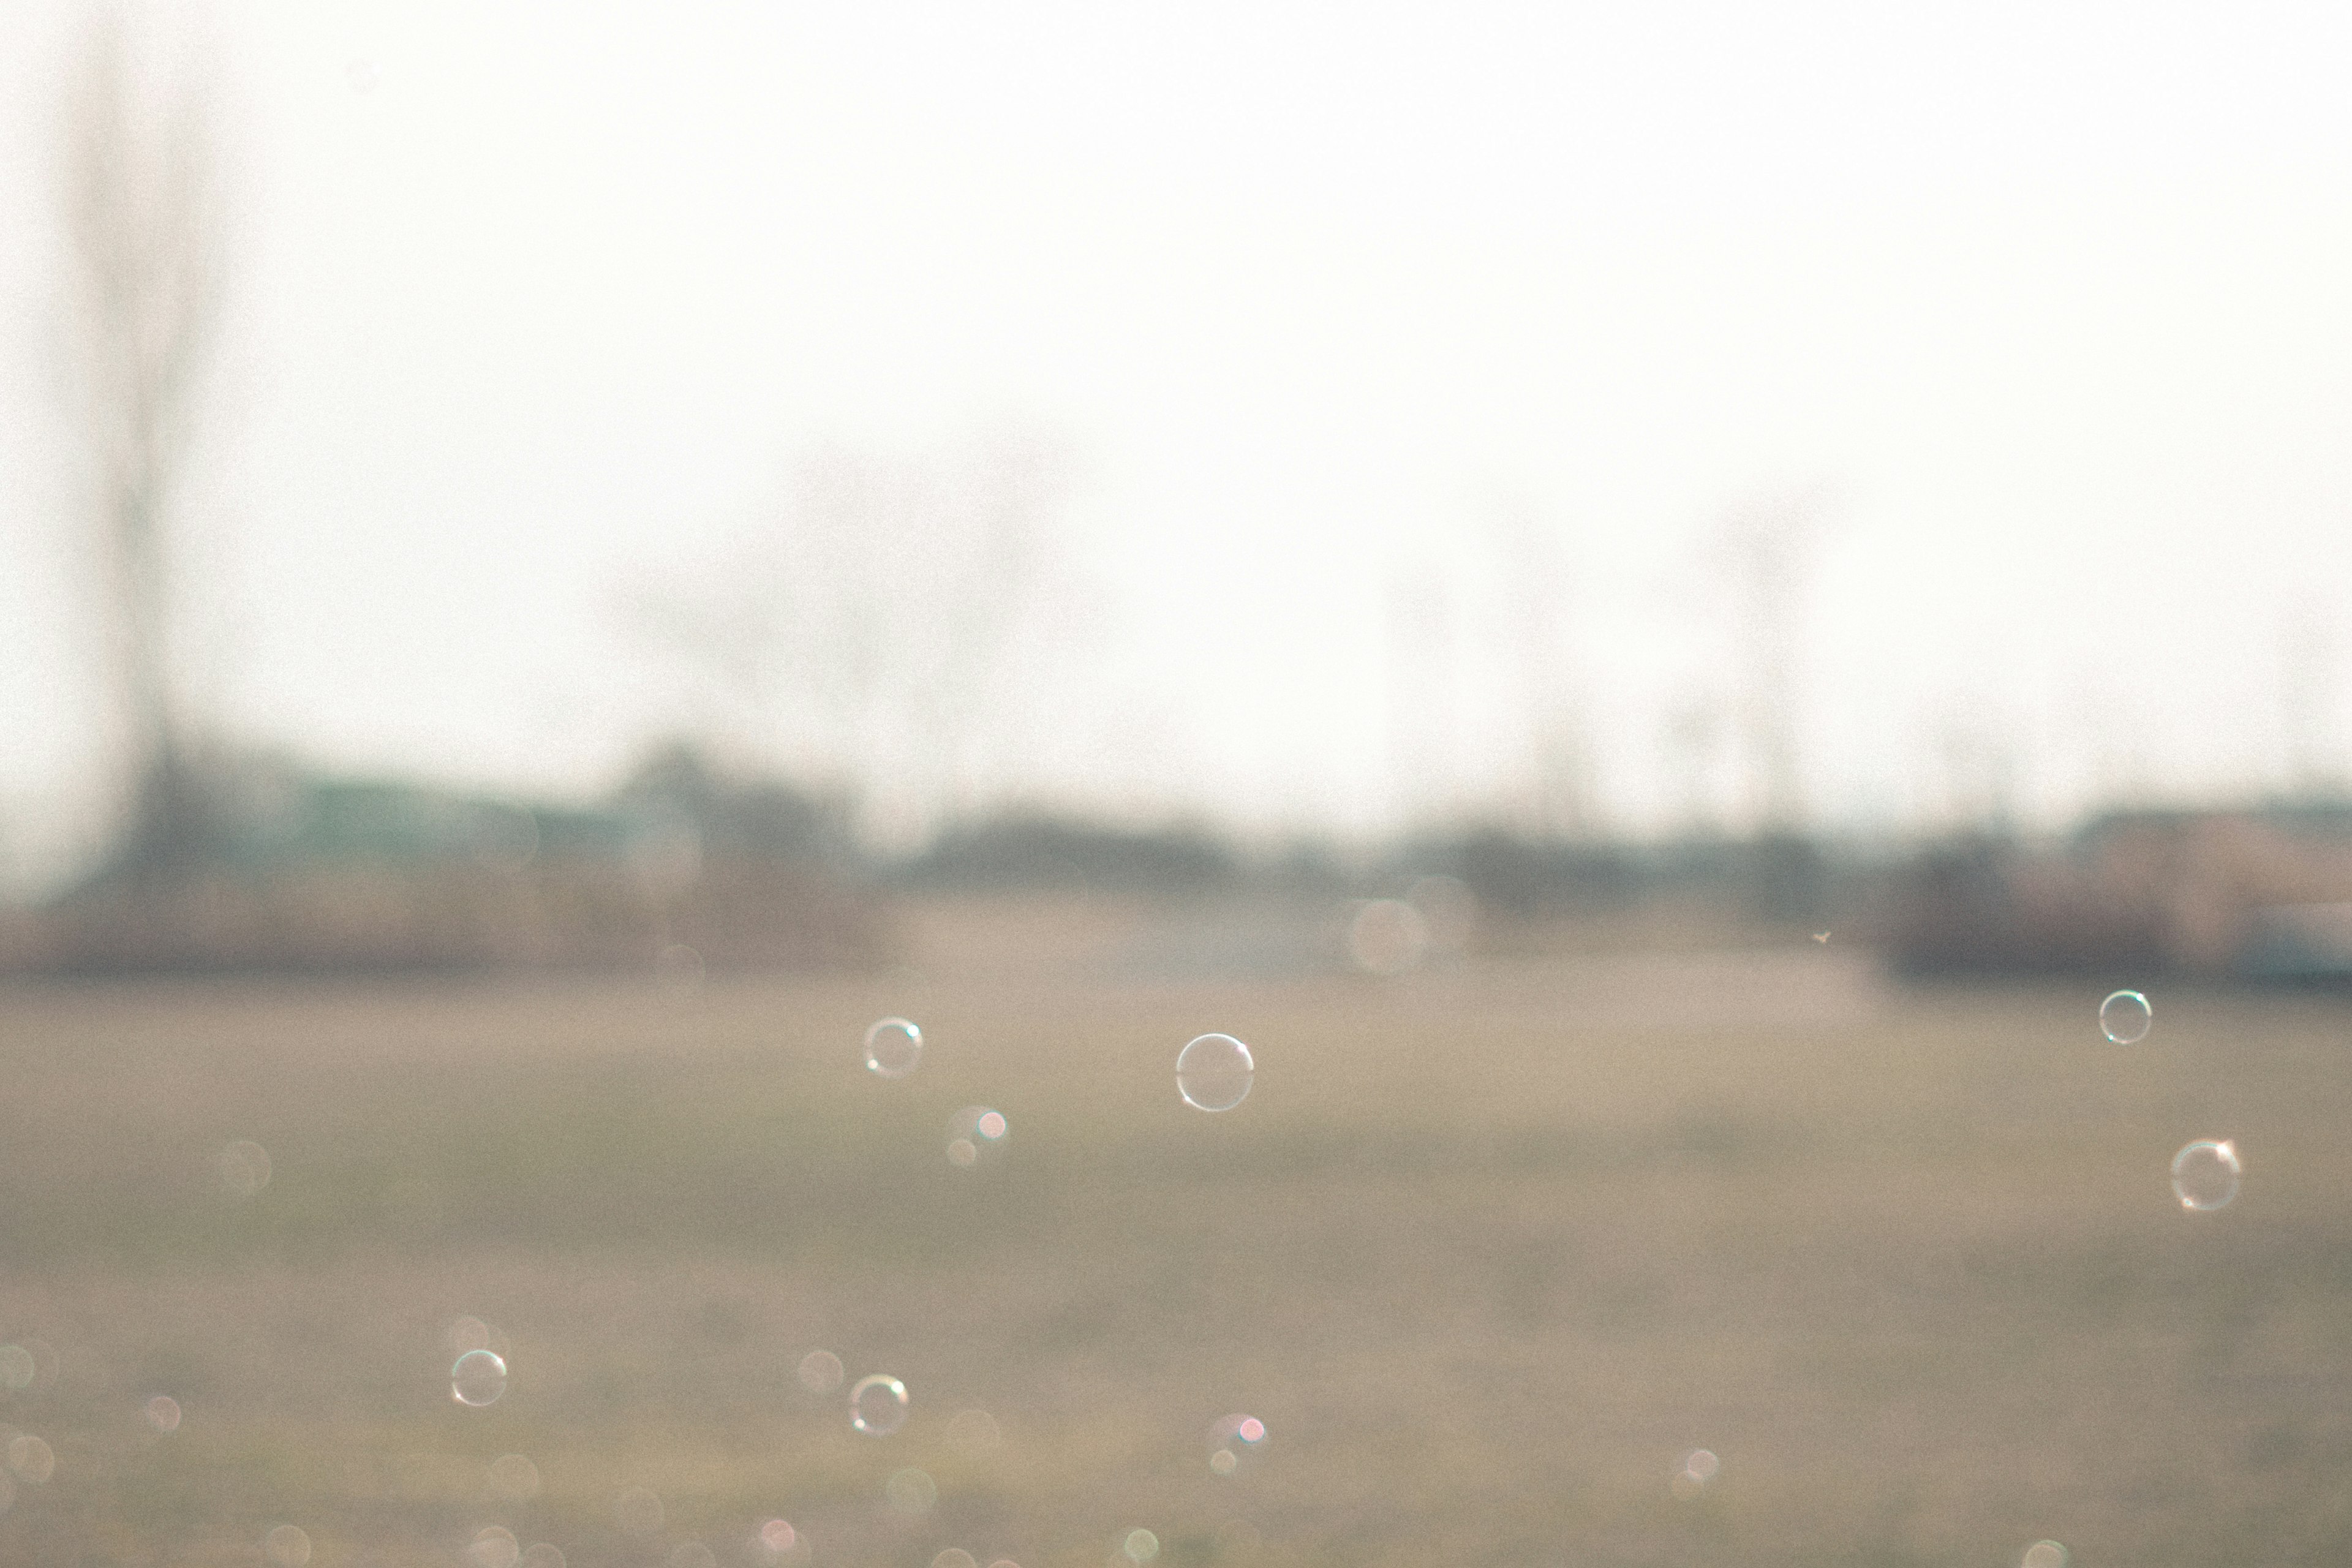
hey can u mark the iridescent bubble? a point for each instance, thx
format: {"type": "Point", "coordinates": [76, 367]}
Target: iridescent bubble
{"type": "Point", "coordinates": [163, 1413]}
{"type": "Point", "coordinates": [638, 1511]}
{"type": "Point", "coordinates": [778, 1539]}
{"type": "Point", "coordinates": [514, 1476]}
{"type": "Point", "coordinates": [477, 1378]}
{"type": "Point", "coordinates": [1213, 1072]}
{"type": "Point", "coordinates": [911, 1490]}
{"type": "Point", "coordinates": [2044, 1554]}
{"type": "Point", "coordinates": [31, 1459]}
{"type": "Point", "coordinates": [244, 1168]}
{"type": "Point", "coordinates": [288, 1546]}
{"type": "Point", "coordinates": [893, 1047]}
{"type": "Point", "coordinates": [1232, 1440]}
{"type": "Point", "coordinates": [494, 1546]}
{"type": "Point", "coordinates": [974, 1133]}
{"type": "Point", "coordinates": [820, 1372]}
{"type": "Point", "coordinates": [2205, 1175]}
{"type": "Point", "coordinates": [2123, 1017]}
{"type": "Point", "coordinates": [543, 1556]}
{"type": "Point", "coordinates": [1141, 1546]}
{"type": "Point", "coordinates": [877, 1405]}
{"type": "Point", "coordinates": [692, 1555]}
{"type": "Point", "coordinates": [973, 1433]}
{"type": "Point", "coordinates": [954, 1557]}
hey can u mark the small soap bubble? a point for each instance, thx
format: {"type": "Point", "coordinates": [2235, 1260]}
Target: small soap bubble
{"type": "Point", "coordinates": [1387, 936]}
{"type": "Point", "coordinates": [244, 1168]}
{"type": "Point", "coordinates": [288, 1546]}
{"type": "Point", "coordinates": [2123, 1017]}
{"type": "Point", "coordinates": [973, 1433]}
{"type": "Point", "coordinates": [31, 1459]}
{"type": "Point", "coordinates": [514, 1478]}
{"type": "Point", "coordinates": [693, 1554]}
{"type": "Point", "coordinates": [1141, 1546]}
{"type": "Point", "coordinates": [494, 1546]}
{"type": "Point", "coordinates": [543, 1556]}
{"type": "Point", "coordinates": [974, 1133]}
{"type": "Point", "coordinates": [477, 1378]}
{"type": "Point", "coordinates": [911, 1490]}
{"type": "Point", "coordinates": [1213, 1072]}
{"type": "Point", "coordinates": [1232, 1440]}
{"type": "Point", "coordinates": [638, 1511]}
{"type": "Point", "coordinates": [1699, 1467]}
{"type": "Point", "coordinates": [2044, 1554]}
{"type": "Point", "coordinates": [2205, 1175]}
{"type": "Point", "coordinates": [877, 1405]}
{"type": "Point", "coordinates": [163, 1413]}
{"type": "Point", "coordinates": [955, 1557]}
{"type": "Point", "coordinates": [820, 1372]}
{"type": "Point", "coordinates": [468, 1334]}
{"type": "Point", "coordinates": [893, 1047]}
{"type": "Point", "coordinates": [1004, 1563]}
{"type": "Point", "coordinates": [777, 1541]}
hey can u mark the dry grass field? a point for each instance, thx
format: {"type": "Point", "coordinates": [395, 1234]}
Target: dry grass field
{"type": "Point", "coordinates": [1490, 1250]}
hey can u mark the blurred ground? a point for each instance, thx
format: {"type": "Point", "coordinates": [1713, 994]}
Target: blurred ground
{"type": "Point", "coordinates": [1490, 1248]}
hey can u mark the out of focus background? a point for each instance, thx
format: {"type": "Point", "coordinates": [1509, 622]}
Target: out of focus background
{"type": "Point", "coordinates": [1653, 605]}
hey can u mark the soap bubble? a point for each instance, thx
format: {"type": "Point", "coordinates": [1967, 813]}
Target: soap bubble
{"type": "Point", "coordinates": [911, 1490]}
{"type": "Point", "coordinates": [468, 1334]}
{"type": "Point", "coordinates": [955, 1557]}
{"type": "Point", "coordinates": [514, 1476]}
{"type": "Point", "coordinates": [893, 1047]}
{"type": "Point", "coordinates": [777, 1541]}
{"type": "Point", "coordinates": [2123, 1017]}
{"type": "Point", "coordinates": [477, 1378]}
{"type": "Point", "coordinates": [973, 1433]}
{"type": "Point", "coordinates": [288, 1546]}
{"type": "Point", "coordinates": [1141, 1546]}
{"type": "Point", "coordinates": [1387, 936]}
{"type": "Point", "coordinates": [31, 1459]}
{"type": "Point", "coordinates": [494, 1546]}
{"type": "Point", "coordinates": [163, 1413]}
{"type": "Point", "coordinates": [974, 1133]}
{"type": "Point", "coordinates": [1232, 1440]}
{"type": "Point", "coordinates": [543, 1556]}
{"type": "Point", "coordinates": [2205, 1175]}
{"type": "Point", "coordinates": [2044, 1554]}
{"type": "Point", "coordinates": [1213, 1072]}
{"type": "Point", "coordinates": [244, 1168]}
{"type": "Point", "coordinates": [877, 1405]}
{"type": "Point", "coordinates": [638, 1511]}
{"type": "Point", "coordinates": [1699, 1467]}
{"type": "Point", "coordinates": [820, 1372]}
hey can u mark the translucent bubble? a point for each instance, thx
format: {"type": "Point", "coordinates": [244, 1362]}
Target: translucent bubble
{"type": "Point", "coordinates": [477, 1378]}
{"type": "Point", "coordinates": [163, 1413]}
{"type": "Point", "coordinates": [288, 1546]}
{"type": "Point", "coordinates": [494, 1546]}
{"type": "Point", "coordinates": [543, 1556]}
{"type": "Point", "coordinates": [1213, 1072]}
{"type": "Point", "coordinates": [877, 1405]}
{"type": "Point", "coordinates": [514, 1476]}
{"type": "Point", "coordinates": [692, 1555]}
{"type": "Point", "coordinates": [893, 1047]}
{"type": "Point", "coordinates": [2205, 1175]}
{"type": "Point", "coordinates": [973, 1433]}
{"type": "Point", "coordinates": [1387, 936]}
{"type": "Point", "coordinates": [1233, 1441]}
{"type": "Point", "coordinates": [244, 1168]}
{"type": "Point", "coordinates": [638, 1511]}
{"type": "Point", "coordinates": [955, 1557]}
{"type": "Point", "coordinates": [1701, 1465]}
{"type": "Point", "coordinates": [778, 1539]}
{"type": "Point", "coordinates": [911, 1490]}
{"type": "Point", "coordinates": [975, 1133]}
{"type": "Point", "coordinates": [2123, 1017]}
{"type": "Point", "coordinates": [1004, 1563]}
{"type": "Point", "coordinates": [468, 1334]}
{"type": "Point", "coordinates": [820, 1372]}
{"type": "Point", "coordinates": [16, 1367]}
{"type": "Point", "coordinates": [2044, 1554]}
{"type": "Point", "coordinates": [31, 1459]}
{"type": "Point", "coordinates": [1141, 1546]}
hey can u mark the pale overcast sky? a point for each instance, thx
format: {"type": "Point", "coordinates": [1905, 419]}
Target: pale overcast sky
{"type": "Point", "coordinates": [1371, 332]}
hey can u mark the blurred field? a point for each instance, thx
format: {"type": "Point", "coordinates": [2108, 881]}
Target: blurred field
{"type": "Point", "coordinates": [1489, 1249]}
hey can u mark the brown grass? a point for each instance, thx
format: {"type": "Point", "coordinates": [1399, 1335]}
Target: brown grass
{"type": "Point", "coordinates": [1489, 1249]}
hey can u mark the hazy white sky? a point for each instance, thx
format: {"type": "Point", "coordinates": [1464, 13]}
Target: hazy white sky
{"type": "Point", "coordinates": [537, 305]}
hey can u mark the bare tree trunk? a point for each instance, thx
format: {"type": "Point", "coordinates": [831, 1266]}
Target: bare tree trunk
{"type": "Point", "coordinates": [140, 215]}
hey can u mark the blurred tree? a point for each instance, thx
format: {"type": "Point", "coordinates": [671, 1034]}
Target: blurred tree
{"type": "Point", "coordinates": [138, 195]}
